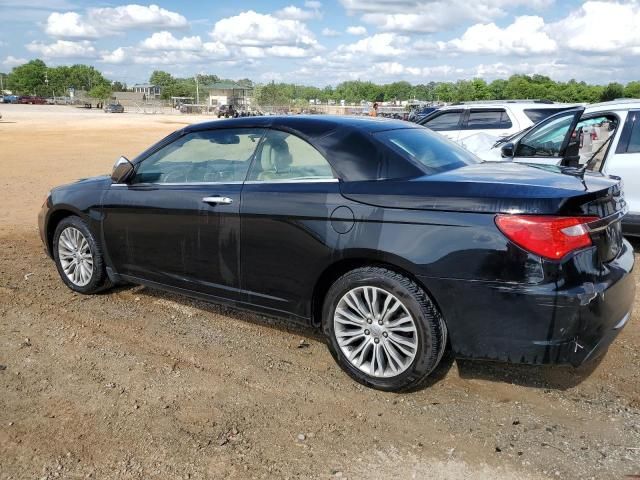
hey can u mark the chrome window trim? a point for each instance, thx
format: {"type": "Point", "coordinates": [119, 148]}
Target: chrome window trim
{"type": "Point", "coordinates": [292, 180]}
{"type": "Point", "coordinates": [176, 184]}
{"type": "Point", "coordinates": [248, 182]}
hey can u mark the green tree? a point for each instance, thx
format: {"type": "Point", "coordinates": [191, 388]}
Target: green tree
{"type": "Point", "coordinates": [119, 87]}
{"type": "Point", "coordinates": [28, 79]}
{"type": "Point", "coordinates": [100, 92]}
{"type": "Point", "coordinates": [632, 90]}
{"type": "Point", "coordinates": [612, 91]}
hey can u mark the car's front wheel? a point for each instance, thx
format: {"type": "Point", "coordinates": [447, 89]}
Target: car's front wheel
{"type": "Point", "coordinates": [78, 256]}
{"type": "Point", "coordinates": [383, 329]}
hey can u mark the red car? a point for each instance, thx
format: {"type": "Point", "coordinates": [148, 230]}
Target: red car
{"type": "Point", "coordinates": [31, 100]}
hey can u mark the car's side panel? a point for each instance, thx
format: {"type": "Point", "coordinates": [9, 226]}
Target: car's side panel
{"type": "Point", "coordinates": [291, 233]}
{"type": "Point", "coordinates": [82, 199]}
{"type": "Point", "coordinates": [287, 238]}
{"type": "Point", "coordinates": [168, 234]}
{"type": "Point", "coordinates": [625, 164]}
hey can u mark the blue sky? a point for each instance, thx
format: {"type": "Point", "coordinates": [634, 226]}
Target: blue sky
{"type": "Point", "coordinates": [321, 42]}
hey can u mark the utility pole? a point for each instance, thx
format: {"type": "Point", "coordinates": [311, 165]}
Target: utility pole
{"type": "Point", "coordinates": [197, 91]}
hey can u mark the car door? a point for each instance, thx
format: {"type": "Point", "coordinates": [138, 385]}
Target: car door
{"type": "Point", "coordinates": [445, 122]}
{"type": "Point", "coordinates": [624, 162]}
{"type": "Point", "coordinates": [547, 141]}
{"type": "Point", "coordinates": [492, 121]}
{"type": "Point", "coordinates": [177, 221]}
{"type": "Point", "coordinates": [287, 204]}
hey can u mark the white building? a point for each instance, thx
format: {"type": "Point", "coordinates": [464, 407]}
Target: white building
{"type": "Point", "coordinates": [150, 92]}
{"type": "Point", "coordinates": [230, 93]}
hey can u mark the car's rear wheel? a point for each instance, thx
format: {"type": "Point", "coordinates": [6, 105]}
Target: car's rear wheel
{"type": "Point", "coordinates": [78, 256]}
{"type": "Point", "coordinates": [383, 329]}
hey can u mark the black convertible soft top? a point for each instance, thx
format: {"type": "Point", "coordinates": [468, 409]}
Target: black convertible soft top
{"type": "Point", "coordinates": [346, 142]}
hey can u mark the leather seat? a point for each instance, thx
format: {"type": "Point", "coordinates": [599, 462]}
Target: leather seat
{"type": "Point", "coordinates": [275, 160]}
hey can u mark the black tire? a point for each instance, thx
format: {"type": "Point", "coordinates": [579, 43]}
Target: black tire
{"type": "Point", "coordinates": [431, 329]}
{"type": "Point", "coordinates": [99, 279]}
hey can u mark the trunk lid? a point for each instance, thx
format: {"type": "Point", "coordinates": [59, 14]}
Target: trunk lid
{"type": "Point", "coordinates": [512, 188]}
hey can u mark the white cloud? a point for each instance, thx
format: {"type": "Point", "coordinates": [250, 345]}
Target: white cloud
{"type": "Point", "coordinates": [314, 4]}
{"type": "Point", "coordinates": [395, 68]}
{"type": "Point", "coordinates": [286, 51]}
{"type": "Point", "coordinates": [328, 32]}
{"type": "Point", "coordinates": [259, 30]}
{"type": "Point", "coordinates": [63, 49]}
{"type": "Point", "coordinates": [428, 16]}
{"type": "Point", "coordinates": [100, 22]}
{"type": "Point", "coordinates": [166, 41]}
{"type": "Point", "coordinates": [69, 25]}
{"type": "Point", "coordinates": [379, 45]}
{"type": "Point", "coordinates": [356, 30]}
{"type": "Point", "coordinates": [12, 61]}
{"type": "Point", "coordinates": [526, 35]}
{"type": "Point", "coordinates": [261, 35]}
{"type": "Point", "coordinates": [119, 55]}
{"type": "Point", "coordinates": [296, 13]}
{"type": "Point", "coordinates": [602, 27]}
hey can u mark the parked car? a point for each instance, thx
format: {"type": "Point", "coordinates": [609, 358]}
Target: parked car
{"type": "Point", "coordinates": [499, 118]}
{"type": "Point", "coordinates": [603, 137]}
{"type": "Point", "coordinates": [10, 99]}
{"type": "Point", "coordinates": [227, 111]}
{"type": "Point", "coordinates": [32, 100]}
{"type": "Point", "coordinates": [419, 113]}
{"type": "Point", "coordinates": [114, 108]}
{"type": "Point", "coordinates": [392, 240]}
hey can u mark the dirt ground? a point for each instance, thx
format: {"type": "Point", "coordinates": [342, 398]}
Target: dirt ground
{"type": "Point", "coordinates": [139, 384]}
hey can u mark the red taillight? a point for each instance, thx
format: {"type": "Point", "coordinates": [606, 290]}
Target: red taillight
{"type": "Point", "coordinates": [547, 236]}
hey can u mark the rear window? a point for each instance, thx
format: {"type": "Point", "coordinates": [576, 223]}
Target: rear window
{"type": "Point", "coordinates": [432, 152]}
{"type": "Point", "coordinates": [538, 114]}
{"type": "Point", "coordinates": [488, 119]}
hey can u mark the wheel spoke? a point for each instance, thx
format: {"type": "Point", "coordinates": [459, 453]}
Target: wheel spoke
{"type": "Point", "coordinates": [357, 321]}
{"type": "Point", "coordinates": [354, 302]}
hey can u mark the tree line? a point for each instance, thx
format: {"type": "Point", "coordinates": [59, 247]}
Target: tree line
{"type": "Point", "coordinates": [515, 87]}
{"type": "Point", "coordinates": [36, 78]}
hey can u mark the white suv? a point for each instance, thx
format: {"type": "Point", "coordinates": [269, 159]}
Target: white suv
{"type": "Point", "coordinates": [499, 118]}
{"type": "Point", "coordinates": [603, 137]}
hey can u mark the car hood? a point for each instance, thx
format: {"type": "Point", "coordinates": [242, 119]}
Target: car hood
{"type": "Point", "coordinates": [492, 187]}
{"type": "Point", "coordinates": [483, 145]}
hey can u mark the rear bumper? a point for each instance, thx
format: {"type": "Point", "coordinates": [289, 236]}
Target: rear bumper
{"type": "Point", "coordinates": [552, 323]}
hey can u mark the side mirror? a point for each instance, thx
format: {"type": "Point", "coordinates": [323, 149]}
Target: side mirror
{"type": "Point", "coordinates": [508, 150]}
{"type": "Point", "coordinates": [122, 170]}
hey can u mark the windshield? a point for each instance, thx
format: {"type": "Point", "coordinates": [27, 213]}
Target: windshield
{"type": "Point", "coordinates": [433, 152]}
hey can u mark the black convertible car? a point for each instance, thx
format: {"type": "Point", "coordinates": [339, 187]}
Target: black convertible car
{"type": "Point", "coordinates": [394, 241]}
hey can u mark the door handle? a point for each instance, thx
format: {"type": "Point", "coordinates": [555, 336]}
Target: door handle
{"type": "Point", "coordinates": [218, 200]}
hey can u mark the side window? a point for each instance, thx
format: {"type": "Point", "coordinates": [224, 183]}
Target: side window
{"type": "Point", "coordinates": [488, 119]}
{"type": "Point", "coordinates": [634, 139]}
{"type": "Point", "coordinates": [283, 156]}
{"type": "Point", "coordinates": [596, 134]}
{"type": "Point", "coordinates": [444, 121]}
{"type": "Point", "coordinates": [202, 157]}
{"type": "Point", "coordinates": [538, 114]}
{"type": "Point", "coordinates": [546, 140]}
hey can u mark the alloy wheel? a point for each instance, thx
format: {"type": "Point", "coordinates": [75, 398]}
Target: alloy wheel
{"type": "Point", "coordinates": [375, 331]}
{"type": "Point", "coordinates": [74, 253]}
